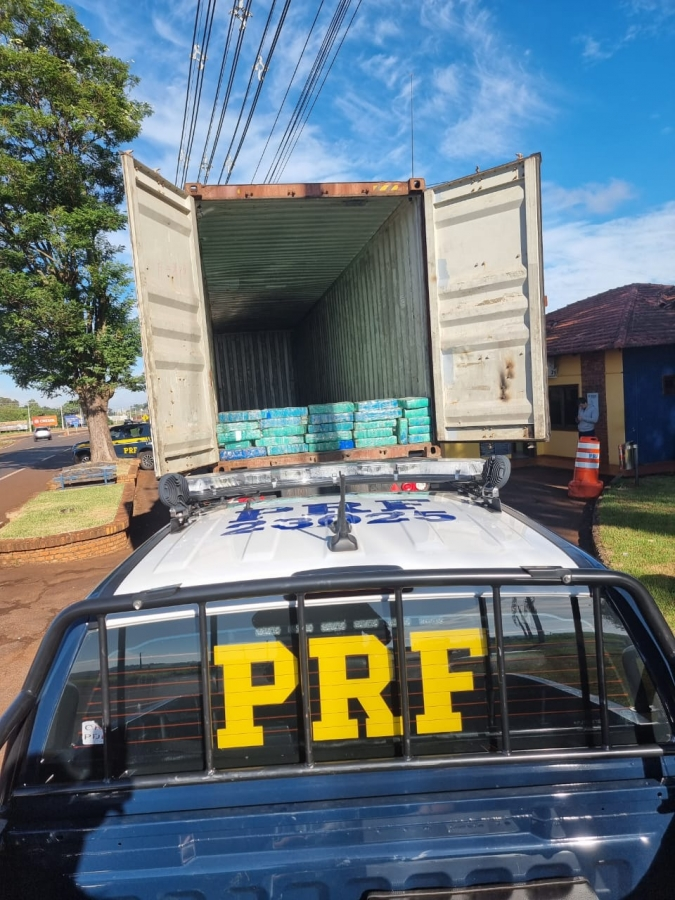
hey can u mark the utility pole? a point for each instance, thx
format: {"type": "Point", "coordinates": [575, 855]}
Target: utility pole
{"type": "Point", "coordinates": [30, 428]}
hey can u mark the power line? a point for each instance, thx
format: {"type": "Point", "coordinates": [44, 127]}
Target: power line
{"type": "Point", "coordinates": [248, 88]}
{"type": "Point", "coordinates": [202, 164]}
{"type": "Point", "coordinates": [308, 88]}
{"type": "Point", "coordinates": [187, 91]}
{"type": "Point", "coordinates": [320, 88]}
{"type": "Point", "coordinates": [244, 13]}
{"type": "Point", "coordinates": [290, 83]}
{"type": "Point", "coordinates": [261, 77]}
{"type": "Point", "coordinates": [208, 25]}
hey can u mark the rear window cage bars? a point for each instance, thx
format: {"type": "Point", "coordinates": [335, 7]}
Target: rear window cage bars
{"type": "Point", "coordinates": [297, 587]}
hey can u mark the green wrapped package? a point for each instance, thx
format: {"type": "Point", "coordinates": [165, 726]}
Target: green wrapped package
{"type": "Point", "coordinates": [339, 422]}
{"type": "Point", "coordinates": [283, 431]}
{"type": "Point", "coordinates": [420, 438]}
{"type": "Point", "coordinates": [283, 422]}
{"type": "Point", "coordinates": [283, 449]}
{"type": "Point", "coordinates": [239, 415]}
{"type": "Point", "coordinates": [326, 409]}
{"type": "Point", "coordinates": [325, 446]}
{"type": "Point", "coordinates": [373, 432]}
{"type": "Point", "coordinates": [245, 433]}
{"type": "Point", "coordinates": [402, 430]}
{"type": "Point", "coordinates": [418, 429]}
{"type": "Point", "coordinates": [414, 402]}
{"type": "Point", "coordinates": [332, 418]}
{"type": "Point", "coordinates": [324, 436]}
{"type": "Point", "coordinates": [363, 443]}
{"type": "Point", "coordinates": [388, 407]}
{"type": "Point", "coordinates": [414, 418]}
{"type": "Point", "coordinates": [235, 445]}
{"type": "Point", "coordinates": [383, 422]}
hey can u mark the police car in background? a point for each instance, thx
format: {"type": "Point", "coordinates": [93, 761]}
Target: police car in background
{"type": "Point", "coordinates": [131, 441]}
{"type": "Point", "coordinates": [340, 682]}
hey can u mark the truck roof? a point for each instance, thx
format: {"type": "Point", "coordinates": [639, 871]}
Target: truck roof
{"type": "Point", "coordinates": [284, 536]}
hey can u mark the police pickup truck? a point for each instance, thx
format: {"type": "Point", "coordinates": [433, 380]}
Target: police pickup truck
{"type": "Point", "coordinates": [310, 686]}
{"type": "Point", "coordinates": [131, 440]}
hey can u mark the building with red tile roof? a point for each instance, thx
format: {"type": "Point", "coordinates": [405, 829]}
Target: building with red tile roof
{"type": "Point", "coordinates": [620, 346]}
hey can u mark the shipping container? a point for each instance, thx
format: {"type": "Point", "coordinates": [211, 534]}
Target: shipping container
{"type": "Point", "coordinates": [284, 295]}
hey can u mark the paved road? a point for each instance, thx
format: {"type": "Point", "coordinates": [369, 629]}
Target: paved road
{"type": "Point", "coordinates": [27, 465]}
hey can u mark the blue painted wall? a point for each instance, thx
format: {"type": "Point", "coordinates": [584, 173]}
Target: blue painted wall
{"type": "Point", "coordinates": [650, 416]}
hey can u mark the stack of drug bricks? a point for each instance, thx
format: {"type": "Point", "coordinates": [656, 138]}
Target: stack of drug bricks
{"type": "Point", "coordinates": [323, 427]}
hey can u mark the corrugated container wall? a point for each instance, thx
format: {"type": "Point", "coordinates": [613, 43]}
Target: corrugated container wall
{"type": "Point", "coordinates": [255, 369]}
{"type": "Point", "coordinates": [368, 335]}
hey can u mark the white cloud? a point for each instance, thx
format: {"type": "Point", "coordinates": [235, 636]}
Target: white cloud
{"type": "Point", "coordinates": [583, 259]}
{"type": "Point", "coordinates": [593, 198]}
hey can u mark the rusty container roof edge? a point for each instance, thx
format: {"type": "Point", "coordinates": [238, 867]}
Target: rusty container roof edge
{"type": "Point", "coordinates": [314, 190]}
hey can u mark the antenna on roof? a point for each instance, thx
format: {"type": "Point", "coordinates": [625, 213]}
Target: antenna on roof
{"type": "Point", "coordinates": [342, 538]}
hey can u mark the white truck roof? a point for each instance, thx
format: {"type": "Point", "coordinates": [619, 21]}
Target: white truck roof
{"type": "Point", "coordinates": [283, 536]}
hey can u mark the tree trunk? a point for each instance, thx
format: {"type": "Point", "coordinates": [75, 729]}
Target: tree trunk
{"type": "Point", "coordinates": [95, 407]}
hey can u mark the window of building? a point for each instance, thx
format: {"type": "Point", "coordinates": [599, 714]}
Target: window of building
{"type": "Point", "coordinates": [668, 382]}
{"type": "Point", "coordinates": [563, 401]}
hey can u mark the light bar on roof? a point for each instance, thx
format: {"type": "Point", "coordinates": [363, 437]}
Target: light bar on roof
{"type": "Point", "coordinates": [212, 486]}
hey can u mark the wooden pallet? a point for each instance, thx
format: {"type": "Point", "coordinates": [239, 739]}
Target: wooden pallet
{"type": "Point", "coordinates": [85, 474]}
{"type": "Point", "coordinates": [398, 451]}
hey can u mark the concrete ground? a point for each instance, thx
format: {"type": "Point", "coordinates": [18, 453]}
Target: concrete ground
{"type": "Point", "coordinates": [31, 595]}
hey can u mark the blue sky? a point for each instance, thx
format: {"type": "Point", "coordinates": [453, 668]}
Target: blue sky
{"type": "Point", "coordinates": [590, 85]}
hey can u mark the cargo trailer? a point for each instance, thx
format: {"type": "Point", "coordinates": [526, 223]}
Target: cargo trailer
{"type": "Point", "coordinates": [254, 296]}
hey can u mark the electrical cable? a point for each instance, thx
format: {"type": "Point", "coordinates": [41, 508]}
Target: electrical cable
{"type": "Point", "coordinates": [308, 89]}
{"type": "Point", "coordinates": [277, 34]}
{"type": "Point", "coordinates": [215, 101]}
{"type": "Point", "coordinates": [187, 91]}
{"type": "Point", "coordinates": [230, 82]}
{"type": "Point", "coordinates": [208, 25]}
{"type": "Point", "coordinates": [290, 84]}
{"type": "Point", "coordinates": [248, 88]}
{"type": "Point", "coordinates": [320, 89]}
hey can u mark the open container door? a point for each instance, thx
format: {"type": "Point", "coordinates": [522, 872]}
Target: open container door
{"type": "Point", "coordinates": [486, 294]}
{"type": "Point", "coordinates": [175, 331]}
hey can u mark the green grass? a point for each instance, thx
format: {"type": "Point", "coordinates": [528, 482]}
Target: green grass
{"type": "Point", "coordinates": [57, 512]}
{"type": "Point", "coordinates": [637, 535]}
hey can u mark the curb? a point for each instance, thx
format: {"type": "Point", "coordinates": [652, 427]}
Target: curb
{"type": "Point", "coordinates": [82, 544]}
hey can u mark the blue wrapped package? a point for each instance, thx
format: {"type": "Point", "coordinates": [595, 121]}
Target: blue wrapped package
{"type": "Point", "coordinates": [389, 405]}
{"type": "Point", "coordinates": [331, 418]}
{"type": "Point", "coordinates": [327, 409]}
{"type": "Point", "coordinates": [283, 412]}
{"type": "Point", "coordinates": [248, 453]}
{"type": "Point", "coordinates": [241, 415]}
{"type": "Point", "coordinates": [414, 418]}
{"type": "Point", "coordinates": [321, 428]}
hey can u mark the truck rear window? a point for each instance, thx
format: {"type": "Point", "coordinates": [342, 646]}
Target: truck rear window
{"type": "Point", "coordinates": [431, 672]}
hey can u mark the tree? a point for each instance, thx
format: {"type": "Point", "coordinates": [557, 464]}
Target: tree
{"type": "Point", "coordinates": [67, 319]}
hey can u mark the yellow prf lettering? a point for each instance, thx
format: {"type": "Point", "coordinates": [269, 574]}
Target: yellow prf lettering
{"type": "Point", "coordinates": [438, 682]}
{"type": "Point", "coordinates": [241, 695]}
{"type": "Point", "coordinates": [335, 689]}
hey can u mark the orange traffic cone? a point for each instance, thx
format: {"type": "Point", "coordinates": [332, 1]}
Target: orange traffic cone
{"type": "Point", "coordinates": [586, 485]}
